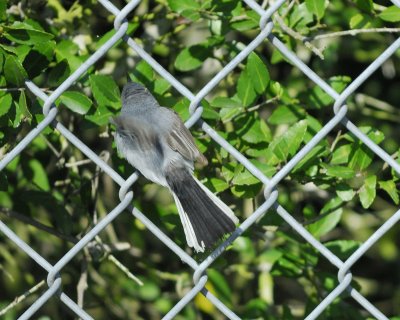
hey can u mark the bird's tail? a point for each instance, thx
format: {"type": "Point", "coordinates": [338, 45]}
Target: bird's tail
{"type": "Point", "coordinates": [204, 217]}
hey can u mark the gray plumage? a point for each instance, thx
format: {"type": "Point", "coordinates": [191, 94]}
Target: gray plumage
{"type": "Point", "coordinates": [155, 141]}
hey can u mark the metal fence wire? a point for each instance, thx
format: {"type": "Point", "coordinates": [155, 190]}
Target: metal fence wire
{"type": "Point", "coordinates": [54, 279]}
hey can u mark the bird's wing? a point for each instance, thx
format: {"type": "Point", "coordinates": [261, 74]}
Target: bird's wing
{"type": "Point", "coordinates": [180, 139]}
{"type": "Point", "coordinates": [138, 133]}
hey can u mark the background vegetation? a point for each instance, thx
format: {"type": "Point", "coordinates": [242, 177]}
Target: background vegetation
{"type": "Point", "coordinates": [51, 195]}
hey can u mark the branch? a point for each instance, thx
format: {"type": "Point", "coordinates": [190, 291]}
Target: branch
{"type": "Point", "coordinates": [298, 36]}
{"type": "Point", "coordinates": [352, 33]}
{"type": "Point", "coordinates": [82, 283]}
{"type": "Point", "coordinates": [13, 214]}
{"type": "Point", "coordinates": [22, 89]}
{"type": "Point", "coordinates": [124, 269]}
{"type": "Point", "coordinates": [21, 298]}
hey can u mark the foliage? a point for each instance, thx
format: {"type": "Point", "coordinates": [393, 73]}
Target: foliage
{"type": "Point", "coordinates": [266, 108]}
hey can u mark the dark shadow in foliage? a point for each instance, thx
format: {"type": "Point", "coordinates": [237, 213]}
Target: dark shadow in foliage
{"type": "Point", "coordinates": [35, 63]}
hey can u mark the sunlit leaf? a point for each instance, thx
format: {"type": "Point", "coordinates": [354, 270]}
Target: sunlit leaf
{"type": "Point", "coordinates": [368, 191]}
{"type": "Point", "coordinates": [76, 101]}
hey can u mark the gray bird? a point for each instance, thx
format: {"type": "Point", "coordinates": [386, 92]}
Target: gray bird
{"type": "Point", "coordinates": [155, 141]}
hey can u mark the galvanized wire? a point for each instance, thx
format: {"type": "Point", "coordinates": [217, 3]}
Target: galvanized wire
{"type": "Point", "coordinates": [54, 278]}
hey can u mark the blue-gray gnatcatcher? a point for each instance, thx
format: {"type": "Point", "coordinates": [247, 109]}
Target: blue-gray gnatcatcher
{"type": "Point", "coordinates": [155, 141]}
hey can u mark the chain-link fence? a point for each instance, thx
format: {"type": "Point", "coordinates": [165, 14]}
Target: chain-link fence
{"type": "Point", "coordinates": [54, 278]}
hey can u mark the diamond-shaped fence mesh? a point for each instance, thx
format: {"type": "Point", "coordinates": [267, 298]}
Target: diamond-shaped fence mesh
{"type": "Point", "coordinates": [54, 278]}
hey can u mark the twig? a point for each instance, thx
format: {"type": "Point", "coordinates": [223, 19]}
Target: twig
{"type": "Point", "coordinates": [352, 33]}
{"type": "Point", "coordinates": [22, 89]}
{"type": "Point", "coordinates": [78, 163]}
{"type": "Point", "coordinates": [124, 269]}
{"type": "Point", "coordinates": [393, 156]}
{"type": "Point", "coordinates": [82, 283]}
{"type": "Point", "coordinates": [32, 222]}
{"type": "Point", "coordinates": [264, 103]}
{"type": "Point", "coordinates": [298, 36]}
{"type": "Point", "coordinates": [287, 10]}
{"type": "Point", "coordinates": [12, 89]}
{"type": "Point", "coordinates": [51, 146]}
{"type": "Point", "coordinates": [21, 298]}
{"type": "Point", "coordinates": [364, 99]}
{"type": "Point", "coordinates": [114, 260]}
{"type": "Point", "coordinates": [337, 138]}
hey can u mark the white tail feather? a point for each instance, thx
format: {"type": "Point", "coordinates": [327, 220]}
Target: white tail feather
{"type": "Point", "coordinates": [220, 204]}
{"type": "Point", "coordinates": [187, 227]}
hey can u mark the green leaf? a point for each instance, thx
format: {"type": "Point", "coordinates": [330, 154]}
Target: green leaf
{"type": "Point", "coordinates": [259, 73]}
{"type": "Point", "coordinates": [14, 72]}
{"type": "Point", "coordinates": [390, 187]}
{"type": "Point", "coordinates": [37, 59]}
{"type": "Point", "coordinates": [68, 50]}
{"type": "Point", "coordinates": [132, 26]}
{"type": "Point", "coordinates": [366, 5]}
{"type": "Point", "coordinates": [286, 144]}
{"type": "Point", "coordinates": [360, 21]}
{"type": "Point", "coordinates": [289, 265]}
{"type": "Point", "coordinates": [101, 116]}
{"type": "Point", "coordinates": [318, 98]}
{"type": "Point", "coordinates": [24, 34]}
{"type": "Point", "coordinates": [182, 5]}
{"type": "Point", "coordinates": [246, 248]}
{"type": "Point", "coordinates": [286, 114]}
{"type": "Point", "coordinates": [149, 291]}
{"type": "Point", "coordinates": [76, 101]}
{"type": "Point", "coordinates": [217, 185]}
{"type": "Point", "coordinates": [228, 170]}
{"type": "Point", "coordinates": [313, 126]}
{"type": "Point", "coordinates": [209, 113]}
{"type": "Point", "coordinates": [374, 134]}
{"type": "Point", "coordinates": [341, 154]}
{"type": "Point", "coordinates": [46, 48]}
{"type": "Point", "coordinates": [22, 51]}
{"type": "Point", "coordinates": [390, 14]}
{"type": "Point", "coordinates": [220, 284]}
{"type": "Point", "coordinates": [5, 104]}
{"type": "Point", "coordinates": [254, 130]}
{"type": "Point", "coordinates": [143, 73]}
{"type": "Point", "coordinates": [339, 171]}
{"type": "Point", "coordinates": [367, 192]}
{"type": "Point", "coordinates": [39, 175]}
{"type": "Point", "coordinates": [1, 59]}
{"type": "Point", "coordinates": [332, 205]}
{"type": "Point", "coordinates": [343, 249]}
{"type": "Point", "coordinates": [161, 86]}
{"type": "Point", "coordinates": [227, 114]}
{"type": "Point", "coordinates": [317, 7]}
{"type": "Point", "coordinates": [326, 223]}
{"type": "Point", "coordinates": [229, 107]}
{"type": "Point", "coordinates": [192, 57]}
{"type": "Point", "coordinates": [300, 18]}
{"type": "Point", "coordinates": [191, 14]}
{"type": "Point", "coordinates": [312, 158]}
{"type": "Point", "coordinates": [250, 20]}
{"type": "Point", "coordinates": [245, 177]}
{"type": "Point", "coordinates": [245, 89]}
{"type": "Point", "coordinates": [362, 156]}
{"type": "Point", "coordinates": [3, 10]}
{"type": "Point", "coordinates": [59, 73]}
{"type": "Point", "coordinates": [22, 107]}
{"type": "Point", "coordinates": [105, 91]}
{"type": "Point", "coordinates": [345, 192]}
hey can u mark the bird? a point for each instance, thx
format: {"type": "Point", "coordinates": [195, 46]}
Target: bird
{"type": "Point", "coordinates": [154, 140]}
